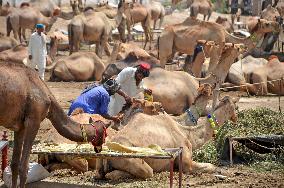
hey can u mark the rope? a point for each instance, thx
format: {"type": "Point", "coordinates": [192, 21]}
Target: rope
{"type": "Point", "coordinates": [250, 84]}
{"type": "Point", "coordinates": [264, 146]}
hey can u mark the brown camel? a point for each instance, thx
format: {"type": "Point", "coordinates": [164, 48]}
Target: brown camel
{"type": "Point", "coordinates": [58, 41]}
{"type": "Point", "coordinates": [27, 18]}
{"type": "Point", "coordinates": [201, 6]}
{"type": "Point", "coordinates": [157, 12]}
{"type": "Point", "coordinates": [177, 90]}
{"type": "Point", "coordinates": [81, 164]}
{"type": "Point", "coordinates": [273, 70]}
{"type": "Point", "coordinates": [167, 133]}
{"type": "Point", "coordinates": [140, 13]}
{"type": "Point", "coordinates": [23, 114]}
{"type": "Point", "coordinates": [94, 27]}
{"type": "Point", "coordinates": [18, 54]}
{"type": "Point", "coordinates": [225, 23]}
{"type": "Point", "coordinates": [7, 42]}
{"type": "Point", "coordinates": [194, 67]}
{"type": "Point", "coordinates": [182, 37]}
{"type": "Point", "coordinates": [79, 66]}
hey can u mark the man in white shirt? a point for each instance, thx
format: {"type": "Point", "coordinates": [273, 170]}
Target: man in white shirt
{"type": "Point", "coordinates": [37, 50]}
{"type": "Point", "coordinates": [131, 82]}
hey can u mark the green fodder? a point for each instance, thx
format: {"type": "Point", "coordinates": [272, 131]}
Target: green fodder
{"type": "Point", "coordinates": [252, 122]}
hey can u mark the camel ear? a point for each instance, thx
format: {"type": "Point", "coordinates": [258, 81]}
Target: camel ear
{"type": "Point", "coordinates": [91, 121]}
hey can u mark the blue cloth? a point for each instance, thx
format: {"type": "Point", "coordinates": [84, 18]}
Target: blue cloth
{"type": "Point", "coordinates": [39, 26]}
{"type": "Point", "coordinates": [94, 101]}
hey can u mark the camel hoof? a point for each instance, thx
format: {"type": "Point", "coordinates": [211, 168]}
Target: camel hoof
{"type": "Point", "coordinates": [99, 176]}
{"type": "Point", "coordinates": [118, 175]}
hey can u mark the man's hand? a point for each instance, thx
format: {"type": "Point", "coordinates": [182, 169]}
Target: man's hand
{"type": "Point", "coordinates": [128, 100]}
{"type": "Point", "coordinates": [116, 119]}
{"type": "Point", "coordinates": [30, 57]}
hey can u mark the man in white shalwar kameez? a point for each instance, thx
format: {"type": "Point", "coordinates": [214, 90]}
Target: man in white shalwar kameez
{"type": "Point", "coordinates": [37, 50]}
{"type": "Point", "coordinates": [131, 82]}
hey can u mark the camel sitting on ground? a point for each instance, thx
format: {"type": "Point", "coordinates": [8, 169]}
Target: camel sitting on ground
{"type": "Point", "coordinates": [24, 113]}
{"type": "Point", "coordinates": [7, 42]}
{"type": "Point", "coordinates": [167, 133]}
{"type": "Point", "coordinates": [18, 54]}
{"type": "Point", "coordinates": [81, 164]}
{"type": "Point", "coordinates": [201, 6]}
{"type": "Point", "coordinates": [94, 27]}
{"type": "Point", "coordinates": [177, 90]}
{"type": "Point", "coordinates": [79, 66]}
{"type": "Point", "coordinates": [272, 71]}
{"type": "Point", "coordinates": [225, 23]}
{"type": "Point", "coordinates": [27, 18]}
{"type": "Point", "coordinates": [184, 36]}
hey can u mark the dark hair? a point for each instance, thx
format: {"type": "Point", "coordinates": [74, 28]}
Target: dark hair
{"type": "Point", "coordinates": [111, 86]}
{"type": "Point", "coordinates": [144, 72]}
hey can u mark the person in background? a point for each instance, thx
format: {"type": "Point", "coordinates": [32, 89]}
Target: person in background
{"type": "Point", "coordinates": [131, 81]}
{"type": "Point", "coordinates": [37, 50]}
{"type": "Point", "coordinates": [95, 100]}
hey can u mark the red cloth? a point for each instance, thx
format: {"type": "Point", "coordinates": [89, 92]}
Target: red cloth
{"type": "Point", "coordinates": [145, 66]}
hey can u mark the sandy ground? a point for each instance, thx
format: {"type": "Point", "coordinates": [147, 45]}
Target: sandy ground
{"type": "Point", "coordinates": [236, 176]}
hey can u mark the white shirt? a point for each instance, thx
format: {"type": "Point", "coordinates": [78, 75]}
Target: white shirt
{"type": "Point", "coordinates": [37, 47]}
{"type": "Point", "coordinates": [127, 81]}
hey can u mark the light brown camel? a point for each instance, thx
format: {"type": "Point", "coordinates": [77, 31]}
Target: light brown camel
{"type": "Point", "coordinates": [77, 6]}
{"type": "Point", "coordinates": [58, 41]}
{"type": "Point", "coordinates": [273, 70]}
{"type": "Point", "coordinates": [6, 9]}
{"type": "Point", "coordinates": [79, 66]}
{"type": "Point", "coordinates": [182, 37]}
{"type": "Point", "coordinates": [26, 18]}
{"type": "Point", "coordinates": [126, 48]}
{"type": "Point", "coordinates": [107, 9]}
{"type": "Point", "coordinates": [94, 27]}
{"type": "Point", "coordinates": [177, 90]}
{"type": "Point", "coordinates": [81, 164]}
{"type": "Point", "coordinates": [280, 7]}
{"type": "Point", "coordinates": [23, 114]}
{"type": "Point", "coordinates": [7, 42]}
{"type": "Point", "coordinates": [18, 54]}
{"type": "Point", "coordinates": [167, 133]}
{"type": "Point", "coordinates": [140, 13]}
{"type": "Point", "coordinates": [157, 12]}
{"type": "Point", "coordinates": [194, 67]}
{"type": "Point", "coordinates": [201, 6]}
{"type": "Point", "coordinates": [225, 23]}
{"type": "Point", "coordinates": [46, 7]}
{"type": "Point", "coordinates": [270, 13]}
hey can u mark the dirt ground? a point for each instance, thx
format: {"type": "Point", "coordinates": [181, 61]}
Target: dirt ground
{"type": "Point", "coordinates": [235, 176]}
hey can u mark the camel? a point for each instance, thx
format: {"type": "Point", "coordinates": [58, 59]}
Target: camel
{"type": "Point", "coordinates": [18, 54]}
{"type": "Point", "coordinates": [126, 48]}
{"type": "Point", "coordinates": [175, 38]}
{"type": "Point", "coordinates": [79, 66]}
{"type": "Point", "coordinates": [201, 6]}
{"type": "Point", "coordinates": [7, 42]}
{"type": "Point", "coordinates": [280, 7]}
{"type": "Point", "coordinates": [27, 18]}
{"type": "Point", "coordinates": [81, 164]}
{"type": "Point", "coordinates": [176, 90]}
{"type": "Point", "coordinates": [58, 41]}
{"type": "Point", "coordinates": [273, 70]}
{"type": "Point", "coordinates": [240, 73]}
{"type": "Point", "coordinates": [82, 27]}
{"type": "Point", "coordinates": [107, 9]}
{"type": "Point", "coordinates": [225, 23]}
{"type": "Point", "coordinates": [77, 6]}
{"type": "Point", "coordinates": [140, 13]}
{"type": "Point", "coordinates": [194, 67]}
{"type": "Point", "coordinates": [6, 9]}
{"type": "Point", "coordinates": [157, 12]}
{"type": "Point", "coordinates": [24, 113]}
{"type": "Point", "coordinates": [236, 16]}
{"type": "Point", "coordinates": [46, 7]}
{"type": "Point", "coordinates": [167, 133]}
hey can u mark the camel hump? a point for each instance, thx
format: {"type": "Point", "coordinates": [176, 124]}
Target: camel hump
{"type": "Point", "coordinates": [88, 8]}
{"type": "Point", "coordinates": [24, 4]}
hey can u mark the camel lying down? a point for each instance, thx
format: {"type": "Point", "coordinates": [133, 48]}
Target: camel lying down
{"type": "Point", "coordinates": [143, 130]}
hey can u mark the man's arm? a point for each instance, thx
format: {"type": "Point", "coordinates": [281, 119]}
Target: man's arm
{"type": "Point", "coordinates": [103, 110]}
{"type": "Point", "coordinates": [125, 96]}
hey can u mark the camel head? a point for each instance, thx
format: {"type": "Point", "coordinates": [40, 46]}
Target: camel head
{"type": "Point", "coordinates": [5, 10]}
{"type": "Point", "coordinates": [231, 49]}
{"type": "Point", "coordinates": [221, 20]}
{"type": "Point", "coordinates": [208, 47]}
{"type": "Point", "coordinates": [263, 26]}
{"type": "Point", "coordinates": [227, 109]}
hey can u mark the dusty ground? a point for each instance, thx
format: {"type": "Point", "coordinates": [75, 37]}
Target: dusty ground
{"type": "Point", "coordinates": [236, 176]}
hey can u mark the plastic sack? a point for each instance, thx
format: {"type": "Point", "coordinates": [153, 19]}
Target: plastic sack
{"type": "Point", "coordinates": [36, 172]}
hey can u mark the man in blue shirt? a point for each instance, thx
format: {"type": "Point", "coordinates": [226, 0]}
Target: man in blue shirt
{"type": "Point", "coordinates": [95, 100]}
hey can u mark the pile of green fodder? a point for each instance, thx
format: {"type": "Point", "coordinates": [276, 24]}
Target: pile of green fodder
{"type": "Point", "coordinates": [252, 122]}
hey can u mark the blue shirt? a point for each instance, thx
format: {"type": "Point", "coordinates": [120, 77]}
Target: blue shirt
{"type": "Point", "coordinates": [94, 101]}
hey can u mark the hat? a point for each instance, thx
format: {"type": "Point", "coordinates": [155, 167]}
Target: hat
{"type": "Point", "coordinates": [111, 86]}
{"type": "Point", "coordinates": [144, 68]}
{"type": "Point", "coordinates": [39, 26]}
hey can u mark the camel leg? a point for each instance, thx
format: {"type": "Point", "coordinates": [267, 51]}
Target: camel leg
{"type": "Point", "coordinates": [17, 153]}
{"type": "Point", "coordinates": [154, 26]}
{"type": "Point", "coordinates": [99, 49]}
{"type": "Point", "coordinates": [146, 32]}
{"type": "Point", "coordinates": [32, 124]}
{"type": "Point", "coordinates": [20, 34]}
{"type": "Point", "coordinates": [204, 17]}
{"type": "Point", "coordinates": [161, 21]}
{"type": "Point", "coordinates": [209, 15]}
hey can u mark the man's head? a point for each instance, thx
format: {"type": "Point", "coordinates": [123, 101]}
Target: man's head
{"type": "Point", "coordinates": [39, 28]}
{"type": "Point", "coordinates": [111, 86]}
{"type": "Point", "coordinates": [143, 71]}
